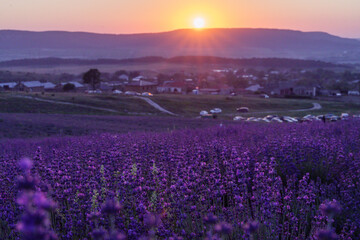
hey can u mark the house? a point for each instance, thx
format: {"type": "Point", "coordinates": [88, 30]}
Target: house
{"type": "Point", "coordinates": [208, 91]}
{"type": "Point", "coordinates": [225, 89]}
{"type": "Point", "coordinates": [254, 88]}
{"type": "Point", "coordinates": [353, 93]}
{"type": "Point", "coordinates": [305, 91]}
{"type": "Point", "coordinates": [141, 86]}
{"type": "Point", "coordinates": [138, 78]}
{"type": "Point", "coordinates": [32, 86]}
{"type": "Point", "coordinates": [106, 87]}
{"type": "Point", "coordinates": [78, 86]}
{"type": "Point", "coordinates": [171, 87]}
{"type": "Point", "coordinates": [296, 91]}
{"type": "Point", "coordinates": [123, 77]}
{"type": "Point", "coordinates": [7, 86]}
{"type": "Point", "coordinates": [326, 92]}
{"type": "Point", "coordinates": [115, 85]}
{"type": "Point", "coordinates": [48, 86]}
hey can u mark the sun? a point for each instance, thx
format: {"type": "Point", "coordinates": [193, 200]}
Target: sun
{"type": "Point", "coordinates": [199, 23]}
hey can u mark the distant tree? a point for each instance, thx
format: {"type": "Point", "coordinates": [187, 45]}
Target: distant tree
{"type": "Point", "coordinates": [68, 87]}
{"type": "Point", "coordinates": [92, 77]}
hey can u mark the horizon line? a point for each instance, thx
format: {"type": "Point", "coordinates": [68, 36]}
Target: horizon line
{"type": "Point", "coordinates": [180, 29]}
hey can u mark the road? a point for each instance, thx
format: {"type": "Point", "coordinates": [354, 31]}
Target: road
{"type": "Point", "coordinates": [316, 106]}
{"type": "Point", "coordinates": [157, 106]}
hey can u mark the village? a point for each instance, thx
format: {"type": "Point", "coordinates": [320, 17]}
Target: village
{"type": "Point", "coordinates": [265, 83]}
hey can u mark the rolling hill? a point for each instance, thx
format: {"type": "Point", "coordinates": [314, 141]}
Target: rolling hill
{"type": "Point", "coordinates": [193, 60]}
{"type": "Point", "coordinates": [231, 43]}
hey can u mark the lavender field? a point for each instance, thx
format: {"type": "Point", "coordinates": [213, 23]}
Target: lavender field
{"type": "Point", "coordinates": [244, 181]}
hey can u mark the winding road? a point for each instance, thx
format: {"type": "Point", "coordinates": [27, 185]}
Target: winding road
{"type": "Point", "coordinates": [316, 106]}
{"type": "Point", "coordinates": [157, 106]}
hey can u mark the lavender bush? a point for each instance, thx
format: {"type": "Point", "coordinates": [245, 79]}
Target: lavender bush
{"type": "Point", "coordinates": [249, 181]}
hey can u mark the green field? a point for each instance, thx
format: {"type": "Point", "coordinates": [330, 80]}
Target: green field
{"type": "Point", "coordinates": [191, 105]}
{"type": "Point", "coordinates": [183, 105]}
{"type": "Point", "coordinates": [14, 103]}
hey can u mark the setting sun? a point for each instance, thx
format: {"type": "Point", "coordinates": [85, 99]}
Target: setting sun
{"type": "Point", "coordinates": [199, 22]}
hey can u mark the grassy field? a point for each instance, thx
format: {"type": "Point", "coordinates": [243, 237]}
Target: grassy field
{"type": "Point", "coordinates": [191, 105]}
{"type": "Point", "coordinates": [259, 107]}
{"type": "Point", "coordinates": [29, 125]}
{"type": "Point", "coordinates": [122, 105]}
{"type": "Point", "coordinates": [183, 105]}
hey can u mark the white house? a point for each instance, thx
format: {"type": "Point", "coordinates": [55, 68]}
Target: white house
{"type": "Point", "coordinates": [123, 77]}
{"type": "Point", "coordinates": [171, 87]}
{"type": "Point", "coordinates": [138, 78]}
{"type": "Point", "coordinates": [78, 86]}
{"type": "Point", "coordinates": [254, 88]}
{"type": "Point", "coordinates": [31, 86]}
{"type": "Point", "coordinates": [353, 93]}
{"type": "Point", "coordinates": [8, 85]}
{"type": "Point", "coordinates": [49, 86]}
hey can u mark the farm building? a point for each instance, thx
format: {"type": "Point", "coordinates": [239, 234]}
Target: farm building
{"type": "Point", "coordinates": [141, 86]}
{"type": "Point", "coordinates": [326, 92]}
{"type": "Point", "coordinates": [123, 77]}
{"type": "Point", "coordinates": [353, 93]}
{"type": "Point", "coordinates": [78, 86]}
{"type": "Point", "coordinates": [254, 88]}
{"type": "Point", "coordinates": [7, 86]}
{"type": "Point", "coordinates": [296, 91]}
{"type": "Point", "coordinates": [48, 86]}
{"type": "Point", "coordinates": [171, 87]}
{"type": "Point", "coordinates": [305, 91]}
{"type": "Point", "coordinates": [138, 78]}
{"type": "Point", "coordinates": [209, 91]}
{"type": "Point", "coordinates": [32, 86]}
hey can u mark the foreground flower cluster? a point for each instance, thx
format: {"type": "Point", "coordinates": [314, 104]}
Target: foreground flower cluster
{"type": "Point", "coordinates": [249, 181]}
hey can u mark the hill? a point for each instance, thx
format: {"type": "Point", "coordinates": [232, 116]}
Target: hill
{"type": "Point", "coordinates": [194, 60]}
{"type": "Point", "coordinates": [230, 43]}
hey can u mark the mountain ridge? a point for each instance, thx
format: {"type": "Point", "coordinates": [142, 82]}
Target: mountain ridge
{"type": "Point", "coordinates": [221, 42]}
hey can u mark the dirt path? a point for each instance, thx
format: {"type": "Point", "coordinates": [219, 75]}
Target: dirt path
{"type": "Point", "coordinates": [69, 103]}
{"type": "Point", "coordinates": [157, 106]}
{"type": "Point", "coordinates": [316, 106]}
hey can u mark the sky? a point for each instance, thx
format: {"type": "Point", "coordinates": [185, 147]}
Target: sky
{"type": "Point", "coordinates": [338, 17]}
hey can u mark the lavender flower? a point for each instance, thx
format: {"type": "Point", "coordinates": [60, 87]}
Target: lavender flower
{"type": "Point", "coordinates": [152, 220]}
{"type": "Point", "coordinates": [111, 207]}
{"type": "Point", "coordinates": [250, 227]}
{"type": "Point", "coordinates": [330, 208]}
{"type": "Point", "coordinates": [328, 234]}
{"type": "Point", "coordinates": [210, 218]}
{"type": "Point", "coordinates": [223, 228]}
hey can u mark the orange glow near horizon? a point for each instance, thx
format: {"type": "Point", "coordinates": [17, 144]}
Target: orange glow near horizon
{"type": "Point", "coordinates": [144, 16]}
